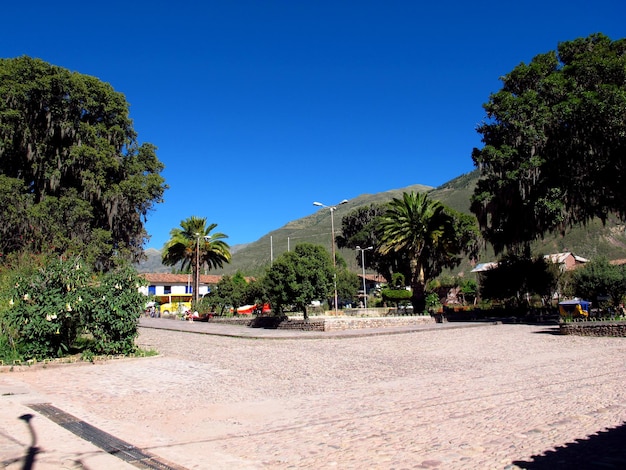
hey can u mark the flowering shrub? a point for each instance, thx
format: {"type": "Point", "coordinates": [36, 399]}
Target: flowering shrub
{"type": "Point", "coordinates": [114, 311]}
{"type": "Point", "coordinates": [49, 308]}
{"type": "Point", "coordinates": [45, 311]}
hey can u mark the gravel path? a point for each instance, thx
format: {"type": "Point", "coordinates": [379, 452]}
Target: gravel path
{"type": "Point", "coordinates": [493, 397]}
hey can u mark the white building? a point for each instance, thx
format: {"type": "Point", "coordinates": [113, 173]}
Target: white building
{"type": "Point", "coordinates": [166, 283]}
{"type": "Point", "coordinates": [566, 261]}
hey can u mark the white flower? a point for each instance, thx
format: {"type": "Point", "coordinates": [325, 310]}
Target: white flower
{"type": "Point", "coordinates": [26, 297]}
{"type": "Point", "coordinates": [11, 302]}
{"type": "Point", "coordinates": [68, 307]}
{"type": "Point", "coordinates": [80, 299]}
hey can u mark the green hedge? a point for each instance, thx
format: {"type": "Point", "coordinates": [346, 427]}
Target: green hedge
{"type": "Point", "coordinates": [396, 295]}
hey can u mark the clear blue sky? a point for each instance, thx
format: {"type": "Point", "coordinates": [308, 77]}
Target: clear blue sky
{"type": "Point", "coordinates": [258, 108]}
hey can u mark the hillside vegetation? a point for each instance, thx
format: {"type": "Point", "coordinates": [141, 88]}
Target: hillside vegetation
{"type": "Point", "coordinates": [591, 241]}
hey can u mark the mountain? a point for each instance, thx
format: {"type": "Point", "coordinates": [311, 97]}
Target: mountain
{"type": "Point", "coordinates": [315, 228]}
{"type": "Point", "coordinates": [152, 263]}
{"type": "Point", "coordinates": [252, 258]}
{"type": "Point", "coordinates": [590, 241]}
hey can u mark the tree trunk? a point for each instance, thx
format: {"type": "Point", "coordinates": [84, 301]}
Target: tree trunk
{"type": "Point", "coordinates": [418, 297]}
{"type": "Point", "coordinates": [196, 282]}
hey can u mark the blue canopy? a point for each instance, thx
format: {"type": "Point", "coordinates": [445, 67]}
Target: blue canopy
{"type": "Point", "coordinates": [582, 303]}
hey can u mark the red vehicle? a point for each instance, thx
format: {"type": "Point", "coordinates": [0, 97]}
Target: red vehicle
{"type": "Point", "coordinates": [250, 309]}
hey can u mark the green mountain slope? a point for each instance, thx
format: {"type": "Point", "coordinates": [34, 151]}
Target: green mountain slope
{"type": "Point", "coordinates": [591, 241]}
{"type": "Point", "coordinates": [315, 228]}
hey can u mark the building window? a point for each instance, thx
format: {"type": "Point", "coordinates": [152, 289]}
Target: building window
{"type": "Point", "coordinates": [167, 289]}
{"type": "Point", "coordinates": [152, 290]}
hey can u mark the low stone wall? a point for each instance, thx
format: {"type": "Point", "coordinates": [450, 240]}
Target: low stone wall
{"type": "Point", "coordinates": [328, 323]}
{"type": "Point", "coordinates": [351, 323]}
{"type": "Point", "coordinates": [600, 328]}
{"type": "Point", "coordinates": [243, 321]}
{"type": "Point", "coordinates": [312, 324]}
{"type": "Point", "coordinates": [364, 312]}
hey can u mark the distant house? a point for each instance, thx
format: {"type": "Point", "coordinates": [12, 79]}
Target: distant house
{"type": "Point", "coordinates": [373, 282]}
{"type": "Point", "coordinates": [166, 283]}
{"type": "Point", "coordinates": [566, 261]}
{"type": "Point", "coordinates": [482, 267]}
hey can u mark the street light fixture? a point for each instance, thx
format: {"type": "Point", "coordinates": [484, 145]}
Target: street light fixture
{"type": "Point", "coordinates": [363, 250]}
{"type": "Point", "coordinates": [332, 241]}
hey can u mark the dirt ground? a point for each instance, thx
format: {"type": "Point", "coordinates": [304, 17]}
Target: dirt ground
{"type": "Point", "coordinates": [493, 397]}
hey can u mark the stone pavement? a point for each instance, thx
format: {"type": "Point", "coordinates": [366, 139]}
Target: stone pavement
{"type": "Point", "coordinates": [438, 397]}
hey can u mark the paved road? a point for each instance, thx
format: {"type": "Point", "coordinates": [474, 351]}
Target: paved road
{"type": "Point", "coordinates": [488, 397]}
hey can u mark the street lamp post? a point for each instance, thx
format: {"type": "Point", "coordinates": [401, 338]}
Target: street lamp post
{"type": "Point", "coordinates": [332, 241]}
{"type": "Point", "coordinates": [363, 250]}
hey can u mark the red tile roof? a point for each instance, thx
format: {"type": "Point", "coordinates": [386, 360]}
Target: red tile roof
{"type": "Point", "coordinates": [169, 278]}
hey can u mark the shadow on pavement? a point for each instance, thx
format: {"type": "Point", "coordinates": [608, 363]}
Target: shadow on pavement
{"type": "Point", "coordinates": [33, 450]}
{"type": "Point", "coordinates": [28, 460]}
{"type": "Point", "coordinates": [604, 450]}
{"type": "Point", "coordinates": [553, 330]}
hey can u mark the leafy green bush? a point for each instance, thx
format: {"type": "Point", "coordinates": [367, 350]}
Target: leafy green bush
{"type": "Point", "coordinates": [469, 289]}
{"type": "Point", "coordinates": [432, 302]}
{"type": "Point", "coordinates": [12, 267]}
{"type": "Point", "coordinates": [396, 295]}
{"type": "Point", "coordinates": [50, 307]}
{"type": "Point", "coordinates": [114, 311]}
{"type": "Point", "coordinates": [46, 309]}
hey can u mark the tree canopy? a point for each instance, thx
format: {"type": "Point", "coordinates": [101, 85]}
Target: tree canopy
{"type": "Point", "coordinates": [348, 285]}
{"type": "Point", "coordinates": [517, 276]}
{"type": "Point", "coordinates": [73, 177]}
{"type": "Point", "coordinates": [555, 143]}
{"type": "Point", "coordinates": [298, 277]}
{"type": "Point", "coordinates": [195, 246]}
{"type": "Point", "coordinates": [428, 235]}
{"type": "Point", "coordinates": [360, 228]}
{"type": "Point", "coordinates": [599, 279]}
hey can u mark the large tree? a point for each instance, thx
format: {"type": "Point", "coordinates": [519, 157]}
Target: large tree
{"type": "Point", "coordinates": [193, 245]}
{"type": "Point", "coordinates": [81, 181]}
{"type": "Point", "coordinates": [298, 277]}
{"type": "Point", "coordinates": [600, 279]}
{"type": "Point", "coordinates": [555, 144]}
{"type": "Point", "coordinates": [516, 277]}
{"type": "Point", "coordinates": [360, 228]}
{"type": "Point", "coordinates": [231, 291]}
{"type": "Point", "coordinates": [429, 235]}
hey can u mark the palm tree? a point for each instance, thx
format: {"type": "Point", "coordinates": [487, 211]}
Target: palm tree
{"type": "Point", "coordinates": [425, 232]}
{"type": "Point", "coordinates": [195, 246]}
